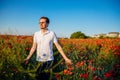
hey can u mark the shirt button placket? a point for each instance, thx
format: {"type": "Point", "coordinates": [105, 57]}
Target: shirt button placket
{"type": "Point", "coordinates": [43, 46]}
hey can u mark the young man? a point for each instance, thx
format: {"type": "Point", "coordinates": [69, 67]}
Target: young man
{"type": "Point", "coordinates": [43, 42]}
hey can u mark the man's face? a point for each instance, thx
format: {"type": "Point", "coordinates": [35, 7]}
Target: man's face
{"type": "Point", "coordinates": [43, 24]}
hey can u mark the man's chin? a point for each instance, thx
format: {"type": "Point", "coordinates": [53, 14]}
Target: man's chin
{"type": "Point", "coordinates": [42, 28]}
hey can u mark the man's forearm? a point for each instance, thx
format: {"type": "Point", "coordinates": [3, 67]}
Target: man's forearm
{"type": "Point", "coordinates": [67, 60]}
{"type": "Point", "coordinates": [31, 53]}
{"type": "Point", "coordinates": [62, 52]}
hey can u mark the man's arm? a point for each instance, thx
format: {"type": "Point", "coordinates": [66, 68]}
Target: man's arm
{"type": "Point", "coordinates": [67, 60]}
{"type": "Point", "coordinates": [31, 51]}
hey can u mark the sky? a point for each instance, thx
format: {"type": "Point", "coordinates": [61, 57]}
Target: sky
{"type": "Point", "coordinates": [91, 17]}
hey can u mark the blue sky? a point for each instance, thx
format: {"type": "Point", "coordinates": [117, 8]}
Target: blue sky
{"type": "Point", "coordinates": [91, 17]}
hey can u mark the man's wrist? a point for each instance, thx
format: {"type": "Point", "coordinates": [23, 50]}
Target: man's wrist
{"type": "Point", "coordinates": [66, 59]}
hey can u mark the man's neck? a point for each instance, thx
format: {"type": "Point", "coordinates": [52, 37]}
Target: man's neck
{"type": "Point", "coordinates": [44, 30]}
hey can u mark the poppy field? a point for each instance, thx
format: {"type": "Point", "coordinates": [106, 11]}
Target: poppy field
{"type": "Point", "coordinates": [93, 59]}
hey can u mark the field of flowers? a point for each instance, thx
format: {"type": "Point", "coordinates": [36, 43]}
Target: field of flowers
{"type": "Point", "coordinates": [93, 59]}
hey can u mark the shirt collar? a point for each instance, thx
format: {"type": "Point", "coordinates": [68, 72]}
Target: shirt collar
{"type": "Point", "coordinates": [45, 32]}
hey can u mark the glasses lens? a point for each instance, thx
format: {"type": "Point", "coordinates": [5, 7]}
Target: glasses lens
{"type": "Point", "coordinates": [42, 22]}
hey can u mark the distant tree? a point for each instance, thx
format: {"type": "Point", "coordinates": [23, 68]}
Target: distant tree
{"type": "Point", "coordinates": [77, 35]}
{"type": "Point", "coordinates": [101, 37]}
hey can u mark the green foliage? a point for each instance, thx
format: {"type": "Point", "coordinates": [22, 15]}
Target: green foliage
{"type": "Point", "coordinates": [77, 35]}
{"type": "Point", "coordinates": [12, 55]}
{"type": "Point", "coordinates": [90, 62]}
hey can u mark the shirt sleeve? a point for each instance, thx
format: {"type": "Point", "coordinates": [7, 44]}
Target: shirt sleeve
{"type": "Point", "coordinates": [55, 38]}
{"type": "Point", "coordinates": [34, 38]}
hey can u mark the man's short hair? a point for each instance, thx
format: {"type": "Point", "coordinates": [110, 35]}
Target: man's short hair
{"type": "Point", "coordinates": [47, 19]}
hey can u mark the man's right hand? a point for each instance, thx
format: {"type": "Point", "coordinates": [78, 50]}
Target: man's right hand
{"type": "Point", "coordinates": [26, 61]}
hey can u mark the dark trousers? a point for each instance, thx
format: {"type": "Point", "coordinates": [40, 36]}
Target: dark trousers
{"type": "Point", "coordinates": [40, 73]}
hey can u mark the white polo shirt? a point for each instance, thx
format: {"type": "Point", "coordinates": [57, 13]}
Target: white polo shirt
{"type": "Point", "coordinates": [45, 45]}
